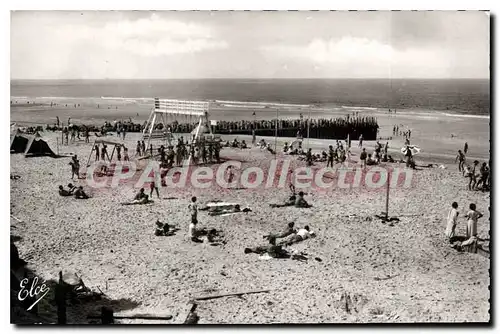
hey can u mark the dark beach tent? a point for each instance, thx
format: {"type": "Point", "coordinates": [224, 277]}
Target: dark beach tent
{"type": "Point", "coordinates": [18, 144]}
{"type": "Point", "coordinates": [37, 147]}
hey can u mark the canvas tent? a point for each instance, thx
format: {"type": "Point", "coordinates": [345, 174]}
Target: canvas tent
{"type": "Point", "coordinates": [18, 144]}
{"type": "Point", "coordinates": [37, 146]}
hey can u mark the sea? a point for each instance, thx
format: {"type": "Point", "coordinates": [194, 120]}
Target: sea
{"type": "Point", "coordinates": [465, 96]}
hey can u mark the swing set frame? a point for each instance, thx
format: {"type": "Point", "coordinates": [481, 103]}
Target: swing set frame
{"type": "Point", "coordinates": [168, 107]}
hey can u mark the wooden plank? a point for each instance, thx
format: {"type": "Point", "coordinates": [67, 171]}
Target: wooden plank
{"type": "Point", "coordinates": [231, 294]}
{"type": "Point", "coordinates": [133, 317]}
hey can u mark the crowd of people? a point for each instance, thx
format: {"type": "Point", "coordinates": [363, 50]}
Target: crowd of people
{"type": "Point", "coordinates": [314, 128]}
{"type": "Point", "coordinates": [469, 243]}
{"type": "Point", "coordinates": [478, 175]}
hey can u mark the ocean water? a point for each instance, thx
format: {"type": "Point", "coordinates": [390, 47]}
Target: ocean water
{"type": "Point", "coordinates": [468, 96]}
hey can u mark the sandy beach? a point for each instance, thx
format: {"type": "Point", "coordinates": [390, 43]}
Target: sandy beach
{"type": "Point", "coordinates": [402, 273]}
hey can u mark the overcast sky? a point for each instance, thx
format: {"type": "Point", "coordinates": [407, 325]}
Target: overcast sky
{"type": "Point", "coordinates": [132, 45]}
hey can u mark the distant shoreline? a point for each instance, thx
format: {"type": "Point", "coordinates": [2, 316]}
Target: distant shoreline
{"type": "Point", "coordinates": [315, 108]}
{"type": "Point", "coordinates": [453, 96]}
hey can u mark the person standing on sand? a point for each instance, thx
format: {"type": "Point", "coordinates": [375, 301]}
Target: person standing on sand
{"type": "Point", "coordinates": [143, 148]}
{"type": "Point", "coordinates": [452, 221]}
{"type": "Point", "coordinates": [104, 152]}
{"type": "Point", "coordinates": [461, 161]}
{"type": "Point", "coordinates": [472, 176]}
{"type": "Point", "coordinates": [96, 148]}
{"type": "Point", "coordinates": [75, 167]}
{"type": "Point", "coordinates": [119, 152]}
{"type": "Point", "coordinates": [362, 158]}
{"type": "Point", "coordinates": [193, 209]}
{"type": "Point", "coordinates": [484, 173]}
{"type": "Point", "coordinates": [125, 154]}
{"type": "Point", "coordinates": [360, 144]}
{"type": "Point", "coordinates": [473, 215]}
{"type": "Point", "coordinates": [153, 187]}
{"type": "Point", "coordinates": [466, 148]}
{"type": "Point", "coordinates": [309, 158]}
{"type": "Point", "coordinates": [330, 156]}
{"type": "Point", "coordinates": [66, 134]}
{"type": "Point", "coordinates": [138, 149]}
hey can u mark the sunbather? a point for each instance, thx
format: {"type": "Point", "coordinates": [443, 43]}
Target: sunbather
{"type": "Point", "coordinates": [63, 192]}
{"type": "Point", "coordinates": [80, 194]}
{"type": "Point", "coordinates": [272, 249]}
{"type": "Point", "coordinates": [140, 198]}
{"type": "Point", "coordinates": [215, 211]}
{"type": "Point", "coordinates": [163, 229]}
{"type": "Point", "coordinates": [71, 188]}
{"type": "Point", "coordinates": [289, 230]}
{"type": "Point", "coordinates": [301, 235]}
{"type": "Point", "coordinates": [300, 202]}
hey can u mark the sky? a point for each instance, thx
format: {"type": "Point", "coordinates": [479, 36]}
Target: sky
{"type": "Point", "coordinates": [308, 44]}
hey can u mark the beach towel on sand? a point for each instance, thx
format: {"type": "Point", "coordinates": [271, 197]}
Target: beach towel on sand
{"type": "Point", "coordinates": [138, 203]}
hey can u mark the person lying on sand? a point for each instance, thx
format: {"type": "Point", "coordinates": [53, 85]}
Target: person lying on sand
{"type": "Point", "coordinates": [285, 148]}
{"type": "Point", "coordinates": [164, 229]}
{"type": "Point", "coordinates": [470, 245]}
{"type": "Point", "coordinates": [270, 149]}
{"type": "Point", "coordinates": [300, 202]}
{"type": "Point", "coordinates": [301, 235]}
{"type": "Point", "coordinates": [63, 192]}
{"type": "Point", "coordinates": [80, 194]}
{"type": "Point", "coordinates": [272, 249]}
{"type": "Point", "coordinates": [71, 188]}
{"type": "Point", "coordinates": [140, 198]}
{"type": "Point", "coordinates": [371, 160]}
{"type": "Point", "coordinates": [214, 237]}
{"type": "Point", "coordinates": [216, 211]}
{"type": "Point", "coordinates": [289, 230]}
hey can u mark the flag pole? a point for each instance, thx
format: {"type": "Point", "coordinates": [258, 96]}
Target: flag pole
{"type": "Point", "coordinates": [387, 196]}
{"type": "Point", "coordinates": [276, 134]}
{"type": "Point", "coordinates": [308, 127]}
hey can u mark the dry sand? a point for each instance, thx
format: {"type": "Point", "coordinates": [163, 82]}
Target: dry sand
{"type": "Point", "coordinates": [104, 241]}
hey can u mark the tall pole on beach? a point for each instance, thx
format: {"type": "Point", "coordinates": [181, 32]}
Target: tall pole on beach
{"type": "Point", "coordinates": [276, 134]}
{"type": "Point", "coordinates": [387, 196]}
{"type": "Point", "coordinates": [308, 127]}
